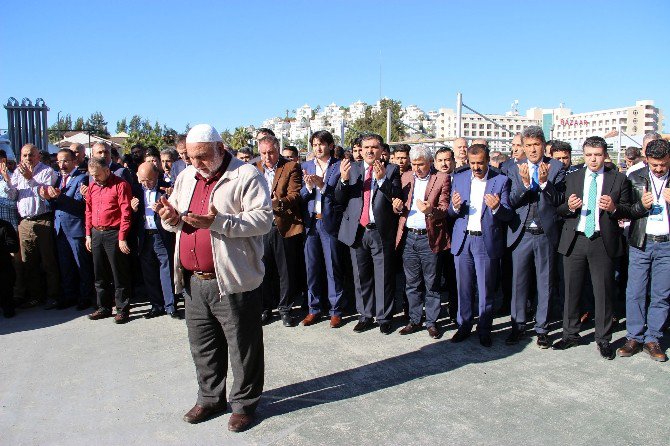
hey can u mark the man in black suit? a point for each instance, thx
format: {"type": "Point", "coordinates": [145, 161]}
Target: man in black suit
{"type": "Point", "coordinates": [366, 189]}
{"type": "Point", "coordinates": [155, 244]}
{"type": "Point", "coordinates": [538, 188]}
{"type": "Point", "coordinates": [591, 240]}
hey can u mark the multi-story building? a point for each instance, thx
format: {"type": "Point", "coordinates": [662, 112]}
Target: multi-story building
{"type": "Point", "coordinates": [561, 123]}
{"type": "Point", "coordinates": [357, 110]}
{"type": "Point", "coordinates": [474, 126]}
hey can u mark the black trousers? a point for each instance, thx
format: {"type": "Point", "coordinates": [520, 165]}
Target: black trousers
{"type": "Point", "coordinates": [111, 269]}
{"type": "Point", "coordinates": [220, 326]}
{"type": "Point", "coordinates": [280, 259]}
{"type": "Point", "coordinates": [449, 282]}
{"type": "Point", "coordinates": [7, 279]}
{"type": "Point", "coordinates": [588, 256]}
{"type": "Point", "coordinates": [372, 259]}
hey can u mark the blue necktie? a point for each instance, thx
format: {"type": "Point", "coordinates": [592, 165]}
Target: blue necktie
{"type": "Point", "coordinates": [535, 181]}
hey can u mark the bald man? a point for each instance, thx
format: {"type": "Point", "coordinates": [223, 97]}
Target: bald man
{"type": "Point", "coordinates": [461, 152]}
{"type": "Point", "coordinates": [38, 250]}
{"type": "Point", "coordinates": [155, 244]}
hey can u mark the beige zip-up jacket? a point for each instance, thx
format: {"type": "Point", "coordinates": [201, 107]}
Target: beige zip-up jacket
{"type": "Point", "coordinates": [242, 200]}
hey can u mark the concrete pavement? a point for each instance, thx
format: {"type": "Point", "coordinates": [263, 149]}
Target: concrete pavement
{"type": "Point", "coordinates": [65, 380]}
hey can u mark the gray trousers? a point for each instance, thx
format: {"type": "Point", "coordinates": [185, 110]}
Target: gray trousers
{"type": "Point", "coordinates": [219, 326]}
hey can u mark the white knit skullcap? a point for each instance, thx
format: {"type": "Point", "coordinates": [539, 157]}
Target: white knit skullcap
{"type": "Point", "coordinates": [203, 133]}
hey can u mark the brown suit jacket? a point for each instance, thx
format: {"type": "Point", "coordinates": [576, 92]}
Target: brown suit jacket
{"type": "Point", "coordinates": [438, 194]}
{"type": "Point", "coordinates": [285, 193]}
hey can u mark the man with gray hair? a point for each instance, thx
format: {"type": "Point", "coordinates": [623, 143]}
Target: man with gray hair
{"type": "Point", "coordinates": [646, 139]}
{"type": "Point", "coordinates": [38, 250]}
{"type": "Point", "coordinates": [108, 215]}
{"type": "Point", "coordinates": [422, 236]}
{"type": "Point", "coordinates": [220, 209]}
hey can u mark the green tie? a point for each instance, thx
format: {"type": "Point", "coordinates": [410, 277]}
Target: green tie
{"type": "Point", "coordinates": [590, 226]}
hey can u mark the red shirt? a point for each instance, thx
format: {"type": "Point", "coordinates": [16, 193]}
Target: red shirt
{"type": "Point", "coordinates": [109, 206]}
{"type": "Point", "coordinates": [195, 245]}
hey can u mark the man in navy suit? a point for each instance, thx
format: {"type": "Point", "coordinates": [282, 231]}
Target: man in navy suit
{"type": "Point", "coordinates": [322, 216]}
{"type": "Point", "coordinates": [538, 188]}
{"type": "Point", "coordinates": [155, 244]}
{"type": "Point", "coordinates": [366, 189]}
{"type": "Point", "coordinates": [75, 262]}
{"type": "Point", "coordinates": [480, 205]}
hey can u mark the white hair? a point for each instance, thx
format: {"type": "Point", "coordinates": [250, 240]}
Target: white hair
{"type": "Point", "coordinates": [419, 152]}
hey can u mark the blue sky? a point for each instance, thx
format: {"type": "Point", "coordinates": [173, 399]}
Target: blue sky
{"type": "Point", "coordinates": [235, 63]}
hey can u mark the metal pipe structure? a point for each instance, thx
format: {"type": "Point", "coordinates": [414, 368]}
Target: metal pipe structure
{"type": "Point", "coordinates": [459, 111]}
{"type": "Point", "coordinates": [27, 124]}
{"type": "Point", "coordinates": [388, 125]}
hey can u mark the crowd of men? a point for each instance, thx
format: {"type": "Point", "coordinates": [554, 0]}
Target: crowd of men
{"type": "Point", "coordinates": [530, 235]}
{"type": "Point", "coordinates": [463, 225]}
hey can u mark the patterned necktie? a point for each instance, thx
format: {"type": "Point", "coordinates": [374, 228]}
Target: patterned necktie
{"type": "Point", "coordinates": [367, 186]}
{"type": "Point", "coordinates": [64, 181]}
{"type": "Point", "coordinates": [535, 181]}
{"type": "Point", "coordinates": [590, 227]}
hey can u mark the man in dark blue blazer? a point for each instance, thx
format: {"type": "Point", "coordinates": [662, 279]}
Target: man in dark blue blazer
{"type": "Point", "coordinates": [480, 205]}
{"type": "Point", "coordinates": [538, 188]}
{"type": "Point", "coordinates": [322, 216]}
{"type": "Point", "coordinates": [155, 244]}
{"type": "Point", "coordinates": [366, 189]}
{"type": "Point", "coordinates": [75, 262]}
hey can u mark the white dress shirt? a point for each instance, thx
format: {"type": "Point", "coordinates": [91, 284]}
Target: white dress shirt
{"type": "Point", "coordinates": [417, 219]}
{"type": "Point", "coordinates": [26, 193]}
{"type": "Point", "coordinates": [476, 205]}
{"type": "Point", "coordinates": [317, 199]}
{"type": "Point", "coordinates": [269, 174]}
{"type": "Point", "coordinates": [585, 199]}
{"type": "Point", "coordinates": [366, 166]}
{"type": "Point", "coordinates": [531, 169]}
{"type": "Point", "coordinates": [657, 224]}
{"type": "Point", "coordinates": [149, 200]}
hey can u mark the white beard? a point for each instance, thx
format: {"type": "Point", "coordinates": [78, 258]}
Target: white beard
{"type": "Point", "coordinates": [217, 163]}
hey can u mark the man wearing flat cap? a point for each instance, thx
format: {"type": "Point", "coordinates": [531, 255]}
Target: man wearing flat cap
{"type": "Point", "coordinates": [220, 209]}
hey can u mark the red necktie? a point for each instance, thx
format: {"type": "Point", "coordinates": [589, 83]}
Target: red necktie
{"type": "Point", "coordinates": [367, 186]}
{"type": "Point", "coordinates": [64, 181]}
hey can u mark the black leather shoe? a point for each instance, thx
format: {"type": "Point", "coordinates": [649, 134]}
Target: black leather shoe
{"type": "Point", "coordinates": [606, 350]}
{"type": "Point", "coordinates": [154, 312]}
{"type": "Point", "coordinates": [543, 341]}
{"type": "Point", "coordinates": [565, 344]}
{"type": "Point", "coordinates": [460, 335]}
{"type": "Point", "coordinates": [176, 315]}
{"type": "Point", "coordinates": [386, 328]}
{"type": "Point", "coordinates": [9, 312]}
{"type": "Point", "coordinates": [514, 337]}
{"type": "Point", "coordinates": [266, 316]}
{"type": "Point", "coordinates": [287, 320]}
{"type": "Point", "coordinates": [485, 340]}
{"type": "Point", "coordinates": [363, 326]}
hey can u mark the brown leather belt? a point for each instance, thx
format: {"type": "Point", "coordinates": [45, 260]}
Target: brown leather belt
{"type": "Point", "coordinates": [317, 216]}
{"type": "Point", "coordinates": [204, 276]}
{"type": "Point", "coordinates": [40, 217]}
{"type": "Point", "coordinates": [105, 228]}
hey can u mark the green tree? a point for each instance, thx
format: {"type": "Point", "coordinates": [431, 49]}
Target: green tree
{"type": "Point", "coordinates": [240, 138]}
{"type": "Point", "coordinates": [135, 124]}
{"type": "Point", "coordinates": [57, 129]}
{"type": "Point", "coordinates": [226, 136]}
{"type": "Point", "coordinates": [78, 124]}
{"type": "Point", "coordinates": [375, 122]}
{"type": "Point", "coordinates": [169, 136]}
{"type": "Point", "coordinates": [97, 125]}
{"type": "Point", "coordinates": [121, 126]}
